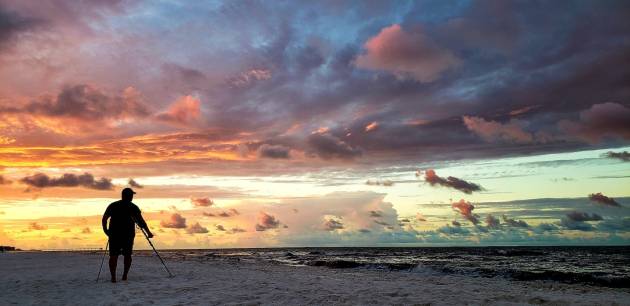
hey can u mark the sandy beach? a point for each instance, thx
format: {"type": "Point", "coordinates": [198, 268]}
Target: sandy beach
{"type": "Point", "coordinates": [55, 278]}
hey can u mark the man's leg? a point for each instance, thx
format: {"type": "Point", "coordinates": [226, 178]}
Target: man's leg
{"type": "Point", "coordinates": [127, 266]}
{"type": "Point", "coordinates": [113, 262]}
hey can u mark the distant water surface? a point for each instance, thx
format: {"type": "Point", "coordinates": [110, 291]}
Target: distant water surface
{"type": "Point", "coordinates": [598, 266]}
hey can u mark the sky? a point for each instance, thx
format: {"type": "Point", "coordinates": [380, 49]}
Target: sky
{"type": "Point", "coordinates": [318, 123]}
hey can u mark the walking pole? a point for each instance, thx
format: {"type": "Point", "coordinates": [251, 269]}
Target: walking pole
{"type": "Point", "coordinates": [102, 261]}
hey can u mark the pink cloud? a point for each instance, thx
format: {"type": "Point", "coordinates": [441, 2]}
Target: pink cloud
{"type": "Point", "coordinates": [266, 221]}
{"type": "Point", "coordinates": [492, 131]}
{"type": "Point", "coordinates": [465, 209]}
{"type": "Point", "coordinates": [185, 110]}
{"type": "Point", "coordinates": [201, 202]}
{"type": "Point", "coordinates": [406, 54]}
{"type": "Point", "coordinates": [175, 221]}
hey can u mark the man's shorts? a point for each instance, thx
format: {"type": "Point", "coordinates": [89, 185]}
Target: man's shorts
{"type": "Point", "coordinates": [120, 245]}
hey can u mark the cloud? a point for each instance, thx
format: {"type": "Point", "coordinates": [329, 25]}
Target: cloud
{"type": "Point", "coordinates": [236, 230]}
{"type": "Point", "coordinates": [266, 221]}
{"type": "Point", "coordinates": [456, 223]}
{"type": "Point", "coordinates": [602, 199]}
{"type": "Point", "coordinates": [195, 228]}
{"type": "Point", "coordinates": [175, 221]}
{"type": "Point", "coordinates": [37, 227]}
{"type": "Point", "coordinates": [625, 155]}
{"type": "Point", "coordinates": [492, 222]}
{"type": "Point", "coordinates": [600, 122]}
{"type": "Point", "coordinates": [465, 209]}
{"type": "Point", "coordinates": [576, 225]}
{"type": "Point", "coordinates": [420, 217]}
{"type": "Point", "coordinates": [327, 146]}
{"type": "Point", "coordinates": [230, 213]}
{"type": "Point", "coordinates": [452, 230]}
{"type": "Point", "coordinates": [12, 24]}
{"type": "Point", "coordinates": [545, 227]}
{"type": "Point", "coordinates": [185, 110]}
{"type": "Point", "coordinates": [41, 180]}
{"type": "Point", "coordinates": [220, 227]}
{"type": "Point", "coordinates": [383, 223]}
{"type": "Point", "coordinates": [580, 216]}
{"type": "Point", "coordinates": [371, 127]}
{"type": "Point", "coordinates": [134, 184]}
{"type": "Point", "coordinates": [87, 103]}
{"type": "Point", "coordinates": [376, 213]}
{"type": "Point", "coordinates": [250, 77]}
{"type": "Point", "coordinates": [4, 181]}
{"type": "Point", "coordinates": [86, 230]}
{"type": "Point", "coordinates": [386, 183]}
{"type": "Point", "coordinates": [452, 182]}
{"type": "Point", "coordinates": [515, 223]}
{"type": "Point", "coordinates": [492, 131]}
{"type": "Point", "coordinates": [406, 54]}
{"type": "Point", "coordinates": [274, 151]}
{"type": "Point", "coordinates": [201, 202]}
{"type": "Point", "coordinates": [332, 224]}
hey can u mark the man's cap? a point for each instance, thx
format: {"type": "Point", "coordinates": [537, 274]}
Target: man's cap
{"type": "Point", "coordinates": [128, 191]}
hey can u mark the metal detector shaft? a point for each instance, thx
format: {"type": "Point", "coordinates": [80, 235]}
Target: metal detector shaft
{"type": "Point", "coordinates": [156, 252]}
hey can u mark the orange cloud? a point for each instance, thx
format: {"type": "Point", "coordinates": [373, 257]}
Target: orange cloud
{"type": "Point", "coordinates": [372, 126]}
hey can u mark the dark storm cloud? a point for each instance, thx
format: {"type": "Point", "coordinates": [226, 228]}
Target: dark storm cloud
{"type": "Point", "coordinates": [273, 151]}
{"type": "Point", "coordinates": [134, 184]}
{"type": "Point", "coordinates": [41, 180]}
{"type": "Point", "coordinates": [576, 225]}
{"type": "Point", "coordinates": [87, 103]}
{"type": "Point", "coordinates": [514, 223]}
{"type": "Point", "coordinates": [266, 221]}
{"type": "Point", "coordinates": [580, 216]}
{"type": "Point", "coordinates": [415, 69]}
{"type": "Point", "coordinates": [452, 182]}
{"type": "Point", "coordinates": [603, 200]}
{"type": "Point", "coordinates": [601, 121]}
{"type": "Point", "coordinates": [327, 146]}
{"type": "Point", "coordinates": [175, 221]}
{"type": "Point", "coordinates": [624, 156]}
{"type": "Point", "coordinates": [12, 24]}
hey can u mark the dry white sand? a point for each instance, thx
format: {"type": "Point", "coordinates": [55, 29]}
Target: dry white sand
{"type": "Point", "coordinates": [69, 279]}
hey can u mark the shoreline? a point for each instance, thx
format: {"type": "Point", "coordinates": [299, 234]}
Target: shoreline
{"type": "Point", "coordinates": [69, 278]}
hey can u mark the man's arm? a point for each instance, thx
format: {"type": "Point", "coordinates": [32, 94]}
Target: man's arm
{"type": "Point", "coordinates": [104, 223]}
{"type": "Point", "coordinates": [142, 224]}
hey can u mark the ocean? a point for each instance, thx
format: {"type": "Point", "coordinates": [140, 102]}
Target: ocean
{"type": "Point", "coordinates": [590, 265]}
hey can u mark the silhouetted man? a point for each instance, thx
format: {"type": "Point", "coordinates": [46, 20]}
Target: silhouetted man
{"type": "Point", "coordinates": [124, 215]}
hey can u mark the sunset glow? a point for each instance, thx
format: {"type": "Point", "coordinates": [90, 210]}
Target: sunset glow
{"type": "Point", "coordinates": [247, 124]}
